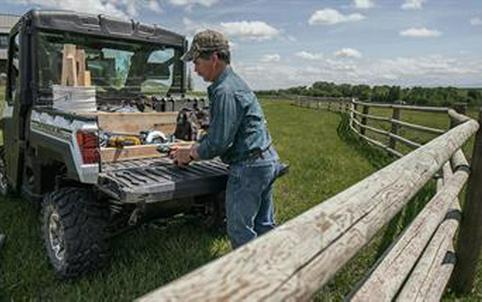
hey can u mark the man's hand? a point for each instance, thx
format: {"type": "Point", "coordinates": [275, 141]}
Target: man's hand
{"type": "Point", "coordinates": [181, 155]}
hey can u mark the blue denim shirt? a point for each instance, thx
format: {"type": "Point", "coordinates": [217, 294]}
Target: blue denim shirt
{"type": "Point", "coordinates": [237, 126]}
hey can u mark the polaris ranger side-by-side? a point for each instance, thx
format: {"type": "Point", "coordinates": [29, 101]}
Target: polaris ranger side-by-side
{"type": "Point", "coordinates": [55, 152]}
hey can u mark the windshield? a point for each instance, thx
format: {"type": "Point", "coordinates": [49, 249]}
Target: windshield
{"type": "Point", "coordinates": [117, 68]}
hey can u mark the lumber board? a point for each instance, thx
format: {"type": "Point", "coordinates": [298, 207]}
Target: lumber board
{"type": "Point", "coordinates": [68, 50]}
{"type": "Point", "coordinates": [109, 155]}
{"type": "Point", "coordinates": [135, 122]}
{"type": "Point", "coordinates": [80, 59]}
{"type": "Point", "coordinates": [293, 261]}
{"type": "Point", "coordinates": [87, 78]}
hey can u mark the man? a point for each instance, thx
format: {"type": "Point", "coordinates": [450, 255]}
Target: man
{"type": "Point", "coordinates": [239, 135]}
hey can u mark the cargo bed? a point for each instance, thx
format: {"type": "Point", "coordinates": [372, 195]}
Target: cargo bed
{"type": "Point", "coordinates": [158, 179]}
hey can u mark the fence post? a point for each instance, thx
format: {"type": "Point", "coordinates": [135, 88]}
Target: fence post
{"type": "Point", "coordinates": [366, 110]}
{"type": "Point", "coordinates": [329, 105]}
{"type": "Point", "coordinates": [396, 116]}
{"type": "Point", "coordinates": [469, 242]}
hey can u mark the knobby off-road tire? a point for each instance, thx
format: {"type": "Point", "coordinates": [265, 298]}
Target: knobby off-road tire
{"type": "Point", "coordinates": [74, 231]}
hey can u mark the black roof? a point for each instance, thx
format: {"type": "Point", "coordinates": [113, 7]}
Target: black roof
{"type": "Point", "coordinates": [101, 25]}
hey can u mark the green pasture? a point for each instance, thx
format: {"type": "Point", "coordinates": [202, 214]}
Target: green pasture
{"type": "Point", "coordinates": [325, 159]}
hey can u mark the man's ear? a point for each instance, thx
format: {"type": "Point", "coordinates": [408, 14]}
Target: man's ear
{"type": "Point", "coordinates": [215, 56]}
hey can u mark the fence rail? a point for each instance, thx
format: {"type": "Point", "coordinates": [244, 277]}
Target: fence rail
{"type": "Point", "coordinates": [295, 260]}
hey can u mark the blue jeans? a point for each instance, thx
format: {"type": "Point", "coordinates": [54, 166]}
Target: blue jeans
{"type": "Point", "coordinates": [249, 197]}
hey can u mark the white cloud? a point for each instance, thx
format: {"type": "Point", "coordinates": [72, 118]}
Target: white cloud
{"type": "Point", "coordinates": [430, 70]}
{"type": "Point", "coordinates": [348, 53]}
{"type": "Point", "coordinates": [420, 33]}
{"type": "Point", "coordinates": [413, 4]}
{"type": "Point", "coordinates": [363, 3]}
{"type": "Point", "coordinates": [154, 6]}
{"type": "Point", "coordinates": [271, 58]}
{"type": "Point", "coordinates": [206, 3]}
{"type": "Point", "coordinates": [255, 30]}
{"type": "Point", "coordinates": [309, 56]}
{"type": "Point", "coordinates": [330, 16]}
{"type": "Point", "coordinates": [476, 21]}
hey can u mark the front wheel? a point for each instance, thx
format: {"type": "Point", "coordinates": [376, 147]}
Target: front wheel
{"type": "Point", "coordinates": [74, 230]}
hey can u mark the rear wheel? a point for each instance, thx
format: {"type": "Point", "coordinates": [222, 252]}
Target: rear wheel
{"type": "Point", "coordinates": [74, 230]}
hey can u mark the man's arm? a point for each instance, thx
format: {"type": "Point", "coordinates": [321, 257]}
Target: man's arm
{"type": "Point", "coordinates": [225, 120]}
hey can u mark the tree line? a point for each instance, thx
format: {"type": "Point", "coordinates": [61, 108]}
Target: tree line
{"type": "Point", "coordinates": [426, 96]}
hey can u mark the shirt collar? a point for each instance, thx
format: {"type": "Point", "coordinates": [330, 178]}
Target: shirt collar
{"type": "Point", "coordinates": [220, 78]}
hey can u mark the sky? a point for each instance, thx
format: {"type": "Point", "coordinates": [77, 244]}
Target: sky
{"type": "Point", "coordinates": [285, 43]}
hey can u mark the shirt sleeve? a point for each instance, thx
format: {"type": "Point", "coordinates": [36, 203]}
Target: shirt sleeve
{"type": "Point", "coordinates": [225, 117]}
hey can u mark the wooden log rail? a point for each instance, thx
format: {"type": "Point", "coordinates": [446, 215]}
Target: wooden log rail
{"type": "Point", "coordinates": [296, 259]}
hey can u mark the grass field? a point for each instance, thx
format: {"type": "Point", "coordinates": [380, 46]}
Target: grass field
{"type": "Point", "coordinates": [324, 158]}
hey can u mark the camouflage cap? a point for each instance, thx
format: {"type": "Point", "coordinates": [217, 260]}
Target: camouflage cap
{"type": "Point", "coordinates": [205, 41]}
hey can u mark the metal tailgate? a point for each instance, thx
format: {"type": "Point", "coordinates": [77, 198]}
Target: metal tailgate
{"type": "Point", "coordinates": [158, 179]}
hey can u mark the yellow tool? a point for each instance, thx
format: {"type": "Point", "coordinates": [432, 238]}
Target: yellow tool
{"type": "Point", "coordinates": [120, 141]}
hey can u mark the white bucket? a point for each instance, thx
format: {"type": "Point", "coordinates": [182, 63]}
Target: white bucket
{"type": "Point", "coordinates": [74, 98]}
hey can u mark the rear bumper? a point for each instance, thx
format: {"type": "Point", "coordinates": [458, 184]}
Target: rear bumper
{"type": "Point", "coordinates": [157, 180]}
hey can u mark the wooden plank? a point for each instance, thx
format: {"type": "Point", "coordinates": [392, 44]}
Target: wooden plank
{"type": "Point", "coordinates": [293, 261]}
{"type": "Point", "coordinates": [135, 122]}
{"type": "Point", "coordinates": [469, 242]}
{"type": "Point", "coordinates": [68, 67]}
{"type": "Point", "coordinates": [403, 255]}
{"type": "Point", "coordinates": [80, 60]}
{"type": "Point", "coordinates": [68, 49]}
{"type": "Point", "coordinates": [109, 155]}
{"type": "Point", "coordinates": [71, 71]}
{"type": "Point", "coordinates": [427, 281]}
{"type": "Point", "coordinates": [87, 79]}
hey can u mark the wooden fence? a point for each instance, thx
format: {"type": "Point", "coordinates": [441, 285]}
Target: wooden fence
{"type": "Point", "coordinates": [295, 260]}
